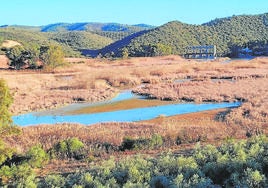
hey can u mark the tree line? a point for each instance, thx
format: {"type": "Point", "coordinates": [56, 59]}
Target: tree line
{"type": "Point", "coordinates": [33, 56]}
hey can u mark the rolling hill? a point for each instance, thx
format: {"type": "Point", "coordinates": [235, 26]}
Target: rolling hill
{"type": "Point", "coordinates": [228, 34]}
{"type": "Point", "coordinates": [79, 39]}
{"type": "Point", "coordinates": [94, 27]}
{"type": "Point", "coordinates": [71, 42]}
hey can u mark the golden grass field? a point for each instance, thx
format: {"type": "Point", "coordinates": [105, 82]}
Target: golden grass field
{"type": "Point", "coordinates": [165, 78]}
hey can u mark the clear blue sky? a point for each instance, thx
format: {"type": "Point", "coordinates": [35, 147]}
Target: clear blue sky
{"type": "Point", "coordinates": [153, 12]}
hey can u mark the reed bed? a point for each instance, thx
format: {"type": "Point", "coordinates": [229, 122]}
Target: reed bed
{"type": "Point", "coordinates": [166, 78]}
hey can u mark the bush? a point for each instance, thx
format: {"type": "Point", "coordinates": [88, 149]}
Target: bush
{"type": "Point", "coordinates": [37, 156]}
{"type": "Point", "coordinates": [55, 181]}
{"type": "Point", "coordinates": [159, 182]}
{"type": "Point", "coordinates": [70, 148]}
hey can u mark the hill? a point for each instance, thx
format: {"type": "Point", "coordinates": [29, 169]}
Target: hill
{"type": "Point", "coordinates": [113, 49]}
{"type": "Point", "coordinates": [95, 27]}
{"type": "Point", "coordinates": [79, 39]}
{"type": "Point", "coordinates": [70, 41]}
{"type": "Point", "coordinates": [228, 34]}
{"type": "Point", "coordinates": [115, 31]}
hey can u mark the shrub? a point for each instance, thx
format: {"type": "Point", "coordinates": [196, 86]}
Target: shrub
{"type": "Point", "coordinates": [156, 141]}
{"type": "Point", "coordinates": [254, 179]}
{"type": "Point", "coordinates": [70, 148]}
{"type": "Point", "coordinates": [55, 181]}
{"type": "Point", "coordinates": [37, 156]}
{"type": "Point", "coordinates": [159, 182]}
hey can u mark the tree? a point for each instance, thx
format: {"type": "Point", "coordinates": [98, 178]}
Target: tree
{"type": "Point", "coordinates": [17, 58]}
{"type": "Point", "coordinates": [162, 49]}
{"type": "Point", "coordinates": [23, 56]}
{"type": "Point", "coordinates": [70, 148]}
{"type": "Point", "coordinates": [5, 124]}
{"type": "Point", "coordinates": [125, 53]}
{"type": "Point", "coordinates": [37, 156]}
{"type": "Point", "coordinates": [5, 102]}
{"type": "Point", "coordinates": [52, 56]}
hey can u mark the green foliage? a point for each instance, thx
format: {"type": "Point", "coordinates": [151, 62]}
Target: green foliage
{"type": "Point", "coordinates": [138, 169]}
{"type": "Point", "coordinates": [80, 39]}
{"type": "Point", "coordinates": [18, 176]}
{"type": "Point", "coordinates": [233, 164]}
{"type": "Point", "coordinates": [141, 143]}
{"type": "Point", "coordinates": [54, 181]}
{"type": "Point", "coordinates": [52, 57]}
{"type": "Point", "coordinates": [5, 152]}
{"type": "Point", "coordinates": [228, 34]}
{"type": "Point", "coordinates": [25, 36]}
{"type": "Point", "coordinates": [29, 182]}
{"type": "Point", "coordinates": [125, 53]}
{"type": "Point", "coordinates": [37, 156]}
{"type": "Point", "coordinates": [156, 141]}
{"type": "Point", "coordinates": [205, 155]}
{"type": "Point", "coordinates": [5, 102]}
{"type": "Point", "coordinates": [166, 165]}
{"type": "Point", "coordinates": [20, 56]}
{"type": "Point", "coordinates": [70, 148]}
{"type": "Point", "coordinates": [159, 181]}
{"type": "Point", "coordinates": [254, 179]}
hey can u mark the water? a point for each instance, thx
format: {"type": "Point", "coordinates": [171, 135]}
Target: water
{"type": "Point", "coordinates": [130, 115]}
{"type": "Point", "coordinates": [124, 95]}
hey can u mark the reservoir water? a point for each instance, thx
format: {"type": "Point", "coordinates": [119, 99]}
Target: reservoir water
{"type": "Point", "coordinates": [129, 115]}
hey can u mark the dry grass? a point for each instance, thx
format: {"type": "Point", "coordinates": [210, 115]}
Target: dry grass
{"type": "Point", "coordinates": [10, 44]}
{"type": "Point", "coordinates": [186, 128]}
{"type": "Point", "coordinates": [95, 80]}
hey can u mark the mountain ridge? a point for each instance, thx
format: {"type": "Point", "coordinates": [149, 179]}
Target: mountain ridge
{"type": "Point", "coordinates": [84, 26]}
{"type": "Point", "coordinates": [229, 34]}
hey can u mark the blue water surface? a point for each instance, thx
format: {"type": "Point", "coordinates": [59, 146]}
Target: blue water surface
{"type": "Point", "coordinates": [130, 115]}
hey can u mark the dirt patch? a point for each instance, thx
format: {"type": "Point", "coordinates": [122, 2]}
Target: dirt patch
{"type": "Point", "coordinates": [10, 43]}
{"type": "Point", "coordinates": [3, 62]}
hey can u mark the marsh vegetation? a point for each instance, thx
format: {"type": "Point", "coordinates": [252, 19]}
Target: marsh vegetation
{"type": "Point", "coordinates": [160, 151]}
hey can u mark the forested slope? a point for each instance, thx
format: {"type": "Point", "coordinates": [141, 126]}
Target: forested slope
{"type": "Point", "coordinates": [227, 34]}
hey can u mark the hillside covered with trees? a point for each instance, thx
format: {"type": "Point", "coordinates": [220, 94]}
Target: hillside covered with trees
{"type": "Point", "coordinates": [71, 42]}
{"type": "Point", "coordinates": [228, 34]}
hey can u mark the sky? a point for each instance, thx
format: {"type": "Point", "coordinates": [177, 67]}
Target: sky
{"type": "Point", "coordinates": [152, 12]}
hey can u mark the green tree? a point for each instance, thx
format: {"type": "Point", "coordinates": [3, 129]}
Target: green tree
{"type": "Point", "coordinates": [70, 148]}
{"type": "Point", "coordinates": [5, 152]}
{"type": "Point", "coordinates": [74, 144]}
{"type": "Point", "coordinates": [162, 49]}
{"type": "Point", "coordinates": [5, 130]}
{"type": "Point", "coordinates": [52, 56]}
{"type": "Point", "coordinates": [17, 57]}
{"type": "Point", "coordinates": [38, 157]}
{"type": "Point", "coordinates": [125, 53]}
{"type": "Point", "coordinates": [5, 102]}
